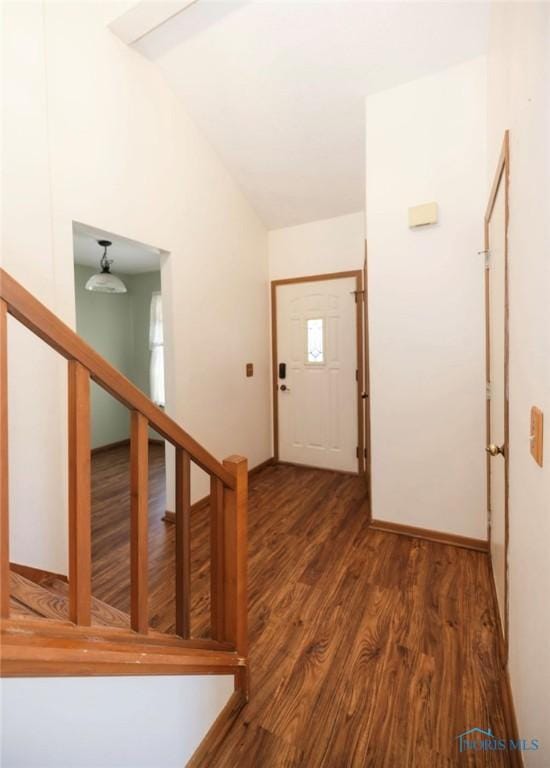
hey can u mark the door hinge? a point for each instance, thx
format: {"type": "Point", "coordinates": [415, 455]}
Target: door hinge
{"type": "Point", "coordinates": [486, 256]}
{"type": "Point", "coordinates": [488, 390]}
{"type": "Point", "coordinates": [356, 374]}
{"type": "Point", "coordinates": [357, 452]}
{"type": "Point", "coordinates": [357, 293]}
{"type": "Point", "coordinates": [365, 453]}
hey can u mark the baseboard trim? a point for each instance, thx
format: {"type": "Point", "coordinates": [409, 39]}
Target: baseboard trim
{"type": "Point", "coordinates": [121, 444]}
{"type": "Point", "coordinates": [111, 446]}
{"type": "Point", "coordinates": [516, 757]}
{"type": "Point", "coordinates": [38, 575]}
{"type": "Point", "coordinates": [259, 467]}
{"type": "Point", "coordinates": [218, 731]}
{"type": "Point", "coordinates": [320, 469]}
{"type": "Point", "coordinates": [510, 720]}
{"type": "Point", "coordinates": [440, 537]}
{"type": "Point", "coordinates": [170, 517]}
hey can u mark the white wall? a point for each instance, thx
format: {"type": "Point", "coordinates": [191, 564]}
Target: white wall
{"type": "Point", "coordinates": [108, 722]}
{"type": "Point", "coordinates": [93, 134]}
{"type": "Point", "coordinates": [426, 142]}
{"type": "Point", "coordinates": [328, 245]}
{"type": "Point", "coordinates": [519, 99]}
{"type": "Point", "coordinates": [37, 485]}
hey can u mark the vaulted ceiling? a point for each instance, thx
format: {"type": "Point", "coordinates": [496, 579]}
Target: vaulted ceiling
{"type": "Point", "coordinates": [279, 88]}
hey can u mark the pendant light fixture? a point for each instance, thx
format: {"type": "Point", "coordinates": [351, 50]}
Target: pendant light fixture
{"type": "Point", "coordinates": [104, 281]}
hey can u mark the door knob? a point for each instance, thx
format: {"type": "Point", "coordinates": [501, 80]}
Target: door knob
{"type": "Point", "coordinates": [494, 450]}
{"type": "Point", "coordinates": [284, 388]}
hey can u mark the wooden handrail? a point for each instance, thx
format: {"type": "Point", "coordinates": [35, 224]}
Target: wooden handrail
{"type": "Point", "coordinates": [43, 323]}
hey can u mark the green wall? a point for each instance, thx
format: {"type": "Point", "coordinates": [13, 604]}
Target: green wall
{"type": "Point", "coordinates": [141, 288]}
{"type": "Point", "coordinates": [116, 326]}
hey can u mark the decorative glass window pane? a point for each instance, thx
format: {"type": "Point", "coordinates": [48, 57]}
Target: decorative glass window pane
{"type": "Point", "coordinates": [315, 351]}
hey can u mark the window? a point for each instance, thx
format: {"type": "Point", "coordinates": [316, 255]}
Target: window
{"type": "Point", "coordinates": [156, 345]}
{"type": "Point", "coordinates": [315, 341]}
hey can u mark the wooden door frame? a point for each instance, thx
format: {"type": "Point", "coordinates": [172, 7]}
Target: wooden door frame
{"type": "Point", "coordinates": [359, 297]}
{"type": "Point", "coordinates": [366, 394]}
{"type": "Point", "coordinates": [502, 176]}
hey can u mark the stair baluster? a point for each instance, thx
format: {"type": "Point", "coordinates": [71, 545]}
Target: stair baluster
{"type": "Point", "coordinates": [183, 543]}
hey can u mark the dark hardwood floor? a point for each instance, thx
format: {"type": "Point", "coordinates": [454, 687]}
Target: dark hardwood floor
{"type": "Point", "coordinates": [368, 649]}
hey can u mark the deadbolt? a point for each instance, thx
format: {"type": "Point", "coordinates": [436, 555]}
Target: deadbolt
{"type": "Point", "coordinates": [495, 450]}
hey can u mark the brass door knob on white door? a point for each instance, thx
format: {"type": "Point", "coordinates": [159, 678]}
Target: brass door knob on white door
{"type": "Point", "coordinates": [495, 450]}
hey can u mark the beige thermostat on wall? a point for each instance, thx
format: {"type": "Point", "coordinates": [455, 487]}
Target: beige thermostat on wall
{"type": "Point", "coordinates": [420, 215]}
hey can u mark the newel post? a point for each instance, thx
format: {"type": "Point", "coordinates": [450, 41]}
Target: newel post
{"type": "Point", "coordinates": [236, 555]}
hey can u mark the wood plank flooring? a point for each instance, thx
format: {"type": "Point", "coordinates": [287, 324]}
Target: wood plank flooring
{"type": "Point", "coordinates": [368, 649]}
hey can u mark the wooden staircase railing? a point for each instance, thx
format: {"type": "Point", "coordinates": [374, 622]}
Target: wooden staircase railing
{"type": "Point", "coordinates": [34, 647]}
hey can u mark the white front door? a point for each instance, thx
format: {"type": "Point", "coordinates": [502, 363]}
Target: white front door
{"type": "Point", "coordinates": [317, 393]}
{"type": "Point", "coordinates": [497, 308]}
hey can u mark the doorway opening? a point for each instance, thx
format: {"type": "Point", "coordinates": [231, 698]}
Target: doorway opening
{"type": "Point", "coordinates": [118, 311]}
{"type": "Point", "coordinates": [318, 371]}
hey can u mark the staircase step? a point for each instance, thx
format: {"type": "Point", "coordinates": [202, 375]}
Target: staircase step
{"type": "Point", "coordinates": [31, 600]}
{"type": "Point", "coordinates": [103, 614]}
{"type": "Point", "coordinates": [37, 598]}
{"type": "Point", "coordinates": [45, 610]}
{"type": "Point", "coordinates": [17, 609]}
{"type": "Point", "coordinates": [52, 602]}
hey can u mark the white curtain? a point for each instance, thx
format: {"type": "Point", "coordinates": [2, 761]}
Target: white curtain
{"type": "Point", "coordinates": [156, 345]}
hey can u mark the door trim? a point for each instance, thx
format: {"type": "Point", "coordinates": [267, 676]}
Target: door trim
{"type": "Point", "coordinates": [366, 387]}
{"type": "Point", "coordinates": [359, 296]}
{"type": "Point", "coordinates": [502, 176]}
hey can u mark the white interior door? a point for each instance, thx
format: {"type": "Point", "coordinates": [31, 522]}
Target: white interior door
{"type": "Point", "coordinates": [497, 235]}
{"type": "Point", "coordinates": [317, 398]}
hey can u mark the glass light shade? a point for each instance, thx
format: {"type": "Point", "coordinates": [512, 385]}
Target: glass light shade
{"type": "Point", "coordinates": [105, 282]}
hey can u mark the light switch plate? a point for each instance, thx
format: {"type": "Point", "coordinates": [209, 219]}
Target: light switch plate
{"type": "Point", "coordinates": [536, 434]}
{"type": "Point", "coordinates": [249, 370]}
{"type": "Point", "coordinates": [420, 215]}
